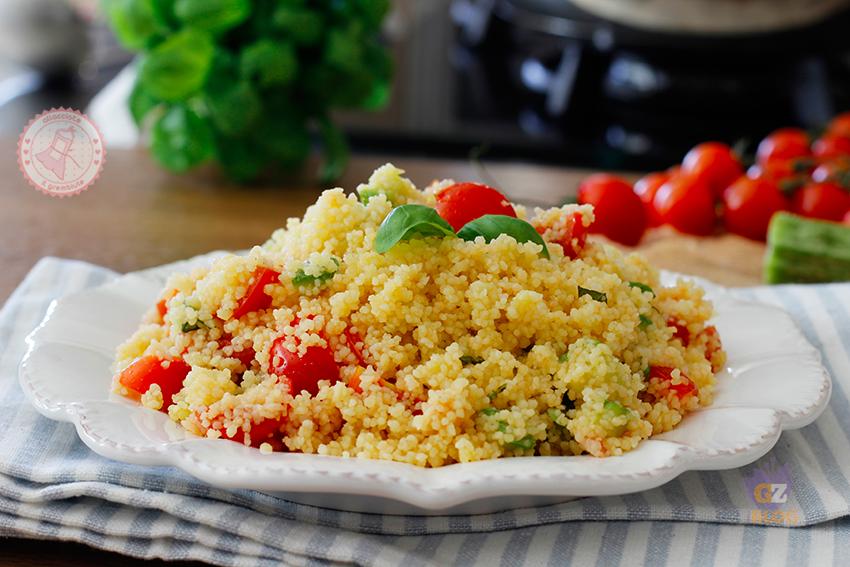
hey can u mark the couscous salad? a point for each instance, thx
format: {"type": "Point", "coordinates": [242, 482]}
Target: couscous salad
{"type": "Point", "coordinates": [428, 327]}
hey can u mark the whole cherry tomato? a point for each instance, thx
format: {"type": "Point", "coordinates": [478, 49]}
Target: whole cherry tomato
{"type": "Point", "coordinates": [846, 218]}
{"type": "Point", "coordinates": [826, 201]}
{"type": "Point", "coordinates": [463, 202]}
{"type": "Point", "coordinates": [303, 372]}
{"type": "Point", "coordinates": [646, 187]}
{"type": "Point", "coordinates": [715, 163]}
{"type": "Point", "coordinates": [836, 171]}
{"type": "Point", "coordinates": [687, 204]}
{"type": "Point", "coordinates": [750, 204]}
{"type": "Point", "coordinates": [830, 146]}
{"type": "Point", "coordinates": [783, 144]}
{"type": "Point", "coordinates": [619, 212]}
{"type": "Point", "coordinates": [840, 125]}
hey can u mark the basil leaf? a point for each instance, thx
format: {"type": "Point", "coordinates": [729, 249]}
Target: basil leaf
{"type": "Point", "coordinates": [564, 357]}
{"type": "Point", "coordinates": [526, 443]}
{"type": "Point", "coordinates": [646, 372]}
{"type": "Point", "coordinates": [302, 278]}
{"type": "Point", "coordinates": [491, 226]}
{"type": "Point", "coordinates": [469, 359]}
{"type": "Point", "coordinates": [642, 286]}
{"type": "Point", "coordinates": [503, 426]}
{"type": "Point", "coordinates": [492, 395]}
{"type": "Point", "coordinates": [192, 327]}
{"type": "Point", "coordinates": [488, 411]}
{"type": "Point", "coordinates": [177, 67]}
{"type": "Point", "coordinates": [594, 295]}
{"type": "Point", "coordinates": [644, 321]}
{"type": "Point", "coordinates": [212, 15]}
{"type": "Point", "coordinates": [410, 221]}
{"type": "Point", "coordinates": [181, 139]}
{"type": "Point", "coordinates": [553, 414]}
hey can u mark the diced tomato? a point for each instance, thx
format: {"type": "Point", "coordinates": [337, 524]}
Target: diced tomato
{"type": "Point", "coordinates": [352, 339]}
{"type": "Point", "coordinates": [256, 298]}
{"type": "Point", "coordinates": [354, 382]}
{"type": "Point", "coordinates": [463, 202]}
{"type": "Point", "coordinates": [574, 236]}
{"type": "Point", "coordinates": [162, 305]}
{"type": "Point", "coordinates": [681, 333]}
{"type": "Point", "coordinates": [262, 432]}
{"type": "Point", "coordinates": [245, 356]}
{"type": "Point", "coordinates": [167, 373]}
{"type": "Point", "coordinates": [712, 345]}
{"type": "Point", "coordinates": [685, 387]}
{"type": "Point", "coordinates": [303, 373]}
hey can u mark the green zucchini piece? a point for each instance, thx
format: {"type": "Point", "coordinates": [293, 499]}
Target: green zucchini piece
{"type": "Point", "coordinates": [806, 251]}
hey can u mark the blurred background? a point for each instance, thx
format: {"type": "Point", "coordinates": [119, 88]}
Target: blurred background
{"type": "Point", "coordinates": [605, 84]}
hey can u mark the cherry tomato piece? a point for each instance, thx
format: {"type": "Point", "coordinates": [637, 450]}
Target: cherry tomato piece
{"type": "Point", "coordinates": [261, 432]}
{"type": "Point", "coordinates": [750, 204]}
{"type": "Point", "coordinates": [303, 372]}
{"type": "Point", "coordinates": [840, 125]}
{"type": "Point", "coordinates": [682, 333]}
{"type": "Point", "coordinates": [830, 146]}
{"type": "Point", "coordinates": [167, 373]}
{"type": "Point", "coordinates": [783, 144]}
{"type": "Point", "coordinates": [646, 187]}
{"type": "Point", "coordinates": [572, 237]}
{"type": "Point", "coordinates": [687, 204]}
{"type": "Point", "coordinates": [715, 163]}
{"type": "Point", "coordinates": [835, 170]}
{"type": "Point", "coordinates": [685, 387]}
{"type": "Point", "coordinates": [461, 203]}
{"type": "Point", "coordinates": [826, 201]}
{"type": "Point", "coordinates": [619, 212]}
{"type": "Point", "coordinates": [256, 297]}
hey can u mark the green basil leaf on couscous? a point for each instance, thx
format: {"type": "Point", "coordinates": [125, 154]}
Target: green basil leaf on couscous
{"type": "Point", "coordinates": [488, 411]}
{"type": "Point", "coordinates": [493, 226]}
{"type": "Point", "coordinates": [564, 357]}
{"type": "Point", "coordinates": [615, 408]}
{"type": "Point", "coordinates": [644, 321]}
{"type": "Point", "coordinates": [555, 415]}
{"type": "Point", "coordinates": [503, 426]}
{"type": "Point", "coordinates": [407, 222]}
{"type": "Point", "coordinates": [492, 395]}
{"type": "Point", "coordinates": [525, 443]}
{"type": "Point", "coordinates": [643, 287]}
{"type": "Point", "coordinates": [470, 359]}
{"type": "Point", "coordinates": [192, 326]}
{"type": "Point", "coordinates": [594, 295]}
{"type": "Point", "coordinates": [646, 372]}
{"type": "Point", "coordinates": [302, 278]}
{"type": "Point", "coordinates": [365, 194]}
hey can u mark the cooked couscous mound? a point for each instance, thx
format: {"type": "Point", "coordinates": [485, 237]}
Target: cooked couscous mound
{"type": "Point", "coordinates": [415, 339]}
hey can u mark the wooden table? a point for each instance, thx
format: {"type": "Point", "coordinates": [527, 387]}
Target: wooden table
{"type": "Point", "coordinates": [137, 216]}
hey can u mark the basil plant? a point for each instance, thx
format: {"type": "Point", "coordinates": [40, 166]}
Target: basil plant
{"type": "Point", "coordinates": [249, 83]}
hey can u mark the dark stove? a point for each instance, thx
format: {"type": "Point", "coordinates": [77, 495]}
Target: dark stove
{"type": "Point", "coordinates": [542, 80]}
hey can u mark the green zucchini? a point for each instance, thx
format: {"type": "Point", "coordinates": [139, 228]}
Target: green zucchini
{"type": "Point", "coordinates": [805, 250]}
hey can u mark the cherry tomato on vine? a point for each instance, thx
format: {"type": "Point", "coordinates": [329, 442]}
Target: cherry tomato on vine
{"type": "Point", "coordinates": [715, 163]}
{"type": "Point", "coordinates": [840, 125]}
{"type": "Point", "coordinates": [836, 171]}
{"type": "Point", "coordinates": [686, 203]}
{"type": "Point", "coordinates": [619, 212]}
{"type": "Point", "coordinates": [826, 201]}
{"type": "Point", "coordinates": [463, 202]}
{"type": "Point", "coordinates": [783, 144]}
{"type": "Point", "coordinates": [646, 187]}
{"type": "Point", "coordinates": [750, 204]}
{"type": "Point", "coordinates": [830, 146]}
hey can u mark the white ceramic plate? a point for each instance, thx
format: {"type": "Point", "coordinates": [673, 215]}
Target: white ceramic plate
{"type": "Point", "coordinates": [774, 380]}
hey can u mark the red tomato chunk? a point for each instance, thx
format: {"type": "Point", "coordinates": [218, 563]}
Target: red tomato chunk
{"type": "Point", "coordinates": [303, 373]}
{"type": "Point", "coordinates": [256, 298]}
{"type": "Point", "coordinates": [167, 373]}
{"type": "Point", "coordinates": [685, 387]}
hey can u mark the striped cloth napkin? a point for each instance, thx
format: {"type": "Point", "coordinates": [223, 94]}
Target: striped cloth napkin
{"type": "Point", "coordinates": [53, 487]}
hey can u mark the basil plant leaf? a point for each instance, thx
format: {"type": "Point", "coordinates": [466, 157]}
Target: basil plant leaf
{"type": "Point", "coordinates": [134, 21]}
{"type": "Point", "coordinates": [176, 68]}
{"type": "Point", "coordinates": [214, 16]}
{"type": "Point", "coordinates": [491, 226]}
{"type": "Point", "coordinates": [410, 221]}
{"type": "Point", "coordinates": [181, 139]}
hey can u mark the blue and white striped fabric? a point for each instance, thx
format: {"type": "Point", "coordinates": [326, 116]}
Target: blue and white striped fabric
{"type": "Point", "coordinates": [53, 487]}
